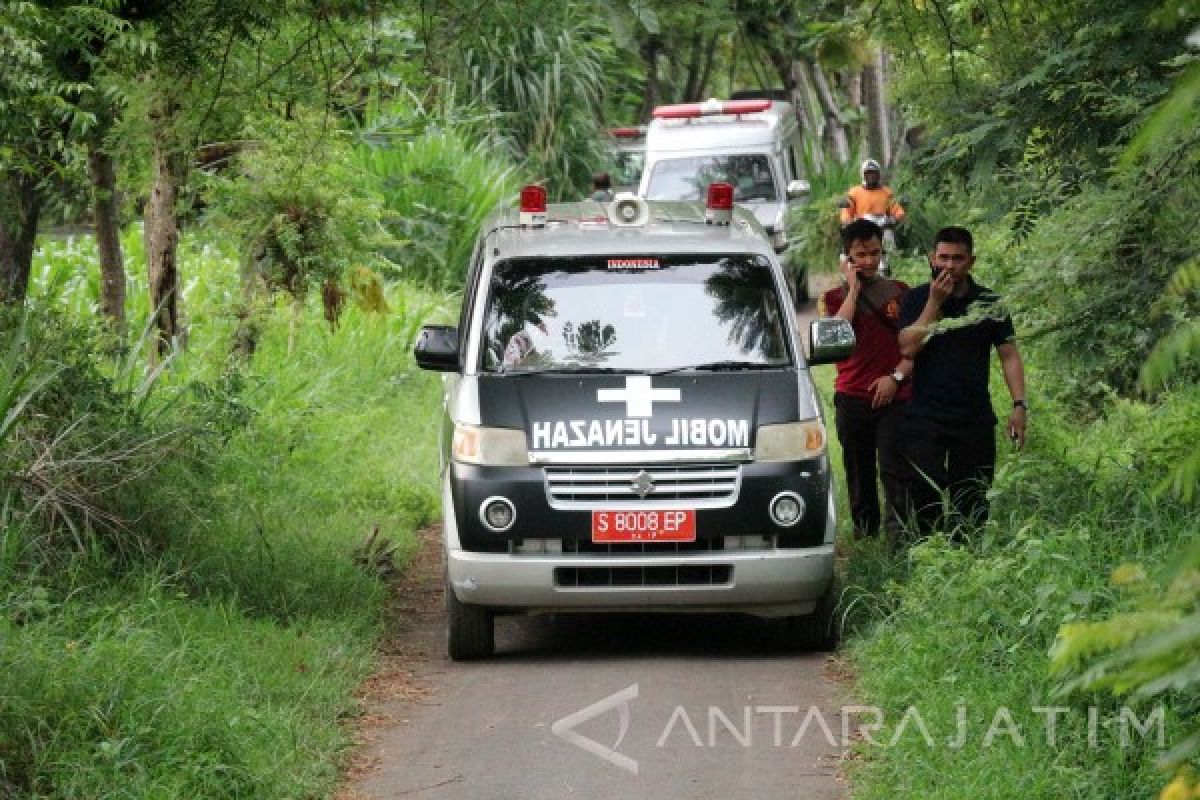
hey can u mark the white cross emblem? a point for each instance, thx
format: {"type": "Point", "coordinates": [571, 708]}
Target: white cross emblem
{"type": "Point", "coordinates": [638, 396]}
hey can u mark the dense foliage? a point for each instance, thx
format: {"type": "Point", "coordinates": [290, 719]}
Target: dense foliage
{"type": "Point", "coordinates": [1066, 135]}
{"type": "Point", "coordinates": [181, 607]}
{"type": "Point", "coordinates": [171, 526]}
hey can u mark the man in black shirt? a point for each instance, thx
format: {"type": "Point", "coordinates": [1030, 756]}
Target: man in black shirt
{"type": "Point", "coordinates": [949, 327]}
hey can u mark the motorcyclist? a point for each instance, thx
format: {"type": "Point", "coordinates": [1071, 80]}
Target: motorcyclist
{"type": "Point", "coordinates": [874, 201]}
{"type": "Point", "coordinates": [872, 198]}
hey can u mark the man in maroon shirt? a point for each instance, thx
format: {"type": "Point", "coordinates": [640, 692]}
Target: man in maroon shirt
{"type": "Point", "coordinates": [872, 385]}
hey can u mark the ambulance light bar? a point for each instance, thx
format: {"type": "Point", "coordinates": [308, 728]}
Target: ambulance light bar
{"type": "Point", "coordinates": [711, 107]}
{"type": "Point", "coordinates": [533, 206]}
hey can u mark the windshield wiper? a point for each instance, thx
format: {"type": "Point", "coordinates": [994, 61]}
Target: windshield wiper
{"type": "Point", "coordinates": [716, 366]}
{"type": "Point", "coordinates": [571, 370]}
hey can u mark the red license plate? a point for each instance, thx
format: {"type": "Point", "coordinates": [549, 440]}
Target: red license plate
{"type": "Point", "coordinates": [657, 525]}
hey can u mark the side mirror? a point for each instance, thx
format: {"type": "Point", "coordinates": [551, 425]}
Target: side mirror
{"type": "Point", "coordinates": [437, 348]}
{"type": "Point", "coordinates": [830, 339]}
{"type": "Point", "coordinates": [798, 189]}
{"type": "Point", "coordinates": [843, 202]}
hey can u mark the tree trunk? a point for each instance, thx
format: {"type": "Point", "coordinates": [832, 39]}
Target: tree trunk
{"type": "Point", "coordinates": [693, 68]}
{"type": "Point", "coordinates": [879, 139]}
{"type": "Point", "coordinates": [802, 97]}
{"type": "Point", "coordinates": [852, 82]}
{"type": "Point", "coordinates": [853, 78]}
{"type": "Point", "coordinates": [710, 56]}
{"type": "Point", "coordinates": [835, 129]}
{"type": "Point", "coordinates": [650, 52]}
{"type": "Point", "coordinates": [794, 78]}
{"type": "Point", "coordinates": [108, 236]}
{"type": "Point", "coordinates": [168, 169]}
{"type": "Point", "coordinates": [19, 213]}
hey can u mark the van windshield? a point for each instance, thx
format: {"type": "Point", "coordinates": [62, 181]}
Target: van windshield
{"type": "Point", "coordinates": [688, 178]}
{"type": "Point", "coordinates": [634, 314]}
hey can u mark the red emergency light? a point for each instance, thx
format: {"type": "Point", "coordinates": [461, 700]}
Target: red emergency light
{"type": "Point", "coordinates": [710, 108]}
{"type": "Point", "coordinates": [533, 206]}
{"type": "Point", "coordinates": [626, 133]}
{"type": "Point", "coordinates": [718, 210]}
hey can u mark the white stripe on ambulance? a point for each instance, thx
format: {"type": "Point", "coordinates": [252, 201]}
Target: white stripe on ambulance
{"type": "Point", "coordinates": [636, 433]}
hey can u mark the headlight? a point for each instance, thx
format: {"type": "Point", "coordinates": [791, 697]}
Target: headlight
{"type": "Point", "coordinates": [793, 441]}
{"type": "Point", "coordinates": [489, 447]}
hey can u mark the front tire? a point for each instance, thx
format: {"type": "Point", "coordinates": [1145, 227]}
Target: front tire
{"type": "Point", "coordinates": [816, 631]}
{"type": "Point", "coordinates": [470, 629]}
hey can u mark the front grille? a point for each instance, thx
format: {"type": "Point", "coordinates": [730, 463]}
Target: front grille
{"type": "Point", "coordinates": [643, 548]}
{"type": "Point", "coordinates": [694, 485]}
{"type": "Point", "coordinates": [677, 575]}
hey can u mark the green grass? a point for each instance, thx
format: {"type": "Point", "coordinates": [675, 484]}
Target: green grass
{"type": "Point", "coordinates": [944, 626]}
{"type": "Point", "coordinates": [941, 627]}
{"type": "Point", "coordinates": [219, 660]}
{"type": "Point", "coordinates": [137, 689]}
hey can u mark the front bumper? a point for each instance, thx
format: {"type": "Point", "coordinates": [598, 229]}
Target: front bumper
{"type": "Point", "coordinates": [766, 583]}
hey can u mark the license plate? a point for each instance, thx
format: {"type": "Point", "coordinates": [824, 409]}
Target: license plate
{"type": "Point", "coordinates": [657, 525]}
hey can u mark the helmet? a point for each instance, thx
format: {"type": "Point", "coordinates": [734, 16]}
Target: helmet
{"type": "Point", "coordinates": [871, 165]}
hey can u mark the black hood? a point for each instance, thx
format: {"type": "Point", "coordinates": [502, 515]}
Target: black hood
{"type": "Point", "coordinates": [609, 412]}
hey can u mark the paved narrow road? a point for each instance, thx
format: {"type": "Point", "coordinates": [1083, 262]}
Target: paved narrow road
{"type": "Point", "coordinates": [647, 706]}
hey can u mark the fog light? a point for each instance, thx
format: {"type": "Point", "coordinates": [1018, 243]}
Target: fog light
{"type": "Point", "coordinates": [787, 509]}
{"type": "Point", "coordinates": [497, 514]}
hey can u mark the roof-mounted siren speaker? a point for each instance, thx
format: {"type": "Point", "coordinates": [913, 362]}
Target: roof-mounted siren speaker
{"type": "Point", "coordinates": [533, 207]}
{"type": "Point", "coordinates": [719, 208]}
{"type": "Point", "coordinates": [628, 210]}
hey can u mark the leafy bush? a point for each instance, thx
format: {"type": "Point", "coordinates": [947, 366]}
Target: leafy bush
{"type": "Point", "coordinates": [1090, 278]}
{"type": "Point", "coordinates": [1069, 80]}
{"type": "Point", "coordinates": [301, 211]}
{"type": "Point", "coordinates": [439, 177]}
{"type": "Point", "coordinates": [1152, 651]}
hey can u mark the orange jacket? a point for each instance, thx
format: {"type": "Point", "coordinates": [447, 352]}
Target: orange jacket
{"type": "Point", "coordinates": [871, 201]}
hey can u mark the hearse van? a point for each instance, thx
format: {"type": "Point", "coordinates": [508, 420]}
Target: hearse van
{"type": "Point", "coordinates": [629, 422]}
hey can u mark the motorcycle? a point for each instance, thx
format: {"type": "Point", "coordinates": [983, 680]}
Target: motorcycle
{"type": "Point", "coordinates": [888, 223]}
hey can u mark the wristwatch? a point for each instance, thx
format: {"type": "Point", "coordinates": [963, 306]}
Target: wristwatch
{"type": "Point", "coordinates": [1020, 404]}
{"type": "Point", "coordinates": [898, 376]}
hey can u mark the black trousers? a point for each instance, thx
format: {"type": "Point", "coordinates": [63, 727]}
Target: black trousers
{"type": "Point", "coordinates": [951, 462]}
{"type": "Point", "coordinates": [870, 437]}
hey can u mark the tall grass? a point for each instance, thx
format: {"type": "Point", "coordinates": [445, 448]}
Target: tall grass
{"type": "Point", "coordinates": [942, 627]}
{"type": "Point", "coordinates": [545, 76]}
{"type": "Point", "coordinates": [220, 659]}
{"type": "Point", "coordinates": [970, 627]}
{"type": "Point", "coordinates": [438, 187]}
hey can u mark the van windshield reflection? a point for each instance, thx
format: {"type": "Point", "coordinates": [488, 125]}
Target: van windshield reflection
{"type": "Point", "coordinates": [706, 313]}
{"type": "Point", "coordinates": [688, 178]}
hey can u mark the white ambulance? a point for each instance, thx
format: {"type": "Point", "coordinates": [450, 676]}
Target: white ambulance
{"type": "Point", "coordinates": [753, 145]}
